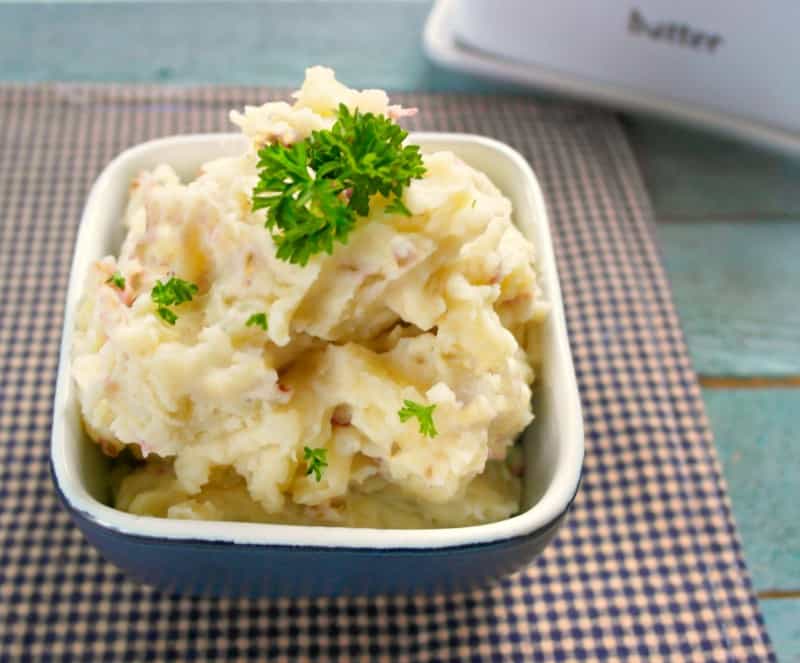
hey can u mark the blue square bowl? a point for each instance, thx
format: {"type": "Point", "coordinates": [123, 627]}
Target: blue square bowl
{"type": "Point", "coordinates": [247, 559]}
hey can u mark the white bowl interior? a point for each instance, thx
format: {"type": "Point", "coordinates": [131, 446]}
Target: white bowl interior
{"type": "Point", "coordinates": [553, 443]}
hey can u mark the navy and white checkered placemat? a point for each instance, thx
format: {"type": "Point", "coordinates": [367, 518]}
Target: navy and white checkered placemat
{"type": "Point", "coordinates": [649, 566]}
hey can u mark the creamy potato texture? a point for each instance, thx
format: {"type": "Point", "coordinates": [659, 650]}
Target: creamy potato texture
{"type": "Point", "coordinates": [441, 307]}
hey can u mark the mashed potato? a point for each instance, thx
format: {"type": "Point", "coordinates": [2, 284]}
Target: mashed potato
{"type": "Point", "coordinates": [441, 307]}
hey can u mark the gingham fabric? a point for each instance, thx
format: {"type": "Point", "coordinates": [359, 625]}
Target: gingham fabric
{"type": "Point", "coordinates": [647, 568]}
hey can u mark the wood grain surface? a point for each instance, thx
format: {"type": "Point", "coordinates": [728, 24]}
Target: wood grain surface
{"type": "Point", "coordinates": [737, 287]}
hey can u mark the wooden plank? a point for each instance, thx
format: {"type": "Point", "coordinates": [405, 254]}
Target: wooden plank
{"type": "Point", "coordinates": [693, 174]}
{"type": "Point", "coordinates": [756, 436]}
{"type": "Point", "coordinates": [783, 624]}
{"type": "Point", "coordinates": [736, 289]}
{"type": "Point", "coordinates": [370, 44]}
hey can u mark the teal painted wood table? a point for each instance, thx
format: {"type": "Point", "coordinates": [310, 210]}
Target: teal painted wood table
{"type": "Point", "coordinates": [728, 213]}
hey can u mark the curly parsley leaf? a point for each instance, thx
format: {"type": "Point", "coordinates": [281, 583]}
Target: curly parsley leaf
{"type": "Point", "coordinates": [316, 461]}
{"type": "Point", "coordinates": [117, 280]}
{"type": "Point", "coordinates": [258, 320]}
{"type": "Point", "coordinates": [423, 414]}
{"type": "Point", "coordinates": [314, 190]}
{"type": "Point", "coordinates": [172, 293]}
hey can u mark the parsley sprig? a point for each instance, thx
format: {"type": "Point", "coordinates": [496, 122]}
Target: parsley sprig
{"type": "Point", "coordinates": [172, 293]}
{"type": "Point", "coordinates": [315, 189]}
{"type": "Point", "coordinates": [258, 320]}
{"type": "Point", "coordinates": [423, 414]}
{"type": "Point", "coordinates": [316, 461]}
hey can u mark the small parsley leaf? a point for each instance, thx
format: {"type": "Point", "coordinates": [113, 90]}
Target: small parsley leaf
{"type": "Point", "coordinates": [423, 414]}
{"type": "Point", "coordinates": [258, 320]}
{"type": "Point", "coordinates": [117, 280]}
{"type": "Point", "coordinates": [316, 461]}
{"type": "Point", "coordinates": [172, 293]}
{"type": "Point", "coordinates": [166, 315]}
{"type": "Point", "coordinates": [314, 190]}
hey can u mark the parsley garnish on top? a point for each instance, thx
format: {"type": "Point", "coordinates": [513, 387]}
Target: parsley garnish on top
{"type": "Point", "coordinates": [316, 461]}
{"type": "Point", "coordinates": [172, 293]}
{"type": "Point", "coordinates": [117, 280]}
{"type": "Point", "coordinates": [315, 189]}
{"type": "Point", "coordinates": [259, 320]}
{"type": "Point", "coordinates": [423, 414]}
